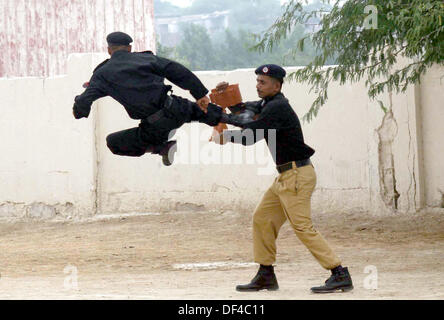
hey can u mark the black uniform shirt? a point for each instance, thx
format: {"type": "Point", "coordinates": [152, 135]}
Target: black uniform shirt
{"type": "Point", "coordinates": [136, 81]}
{"type": "Point", "coordinates": [275, 113]}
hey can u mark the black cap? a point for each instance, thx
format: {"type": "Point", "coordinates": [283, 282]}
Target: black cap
{"type": "Point", "coordinates": [272, 70]}
{"type": "Point", "coordinates": [118, 39]}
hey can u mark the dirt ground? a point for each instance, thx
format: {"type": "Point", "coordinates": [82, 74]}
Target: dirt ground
{"type": "Point", "coordinates": [169, 256]}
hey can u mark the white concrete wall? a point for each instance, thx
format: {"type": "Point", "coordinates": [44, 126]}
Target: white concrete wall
{"type": "Point", "coordinates": [53, 164]}
{"type": "Point", "coordinates": [432, 113]}
{"type": "Point", "coordinates": [47, 164]}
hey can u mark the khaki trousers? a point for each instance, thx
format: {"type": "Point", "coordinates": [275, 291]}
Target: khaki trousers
{"type": "Point", "coordinates": [289, 198]}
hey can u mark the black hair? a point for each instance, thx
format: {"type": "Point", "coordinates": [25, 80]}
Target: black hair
{"type": "Point", "coordinates": [280, 80]}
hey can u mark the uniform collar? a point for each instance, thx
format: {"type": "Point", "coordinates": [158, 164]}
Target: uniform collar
{"type": "Point", "coordinates": [119, 53]}
{"type": "Point", "coordinates": [268, 99]}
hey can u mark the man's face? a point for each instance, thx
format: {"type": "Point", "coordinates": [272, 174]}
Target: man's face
{"type": "Point", "coordinates": [267, 86]}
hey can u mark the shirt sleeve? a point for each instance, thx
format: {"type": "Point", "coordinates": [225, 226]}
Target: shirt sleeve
{"type": "Point", "coordinates": [246, 137]}
{"type": "Point", "coordinates": [180, 76]}
{"type": "Point", "coordinates": [270, 118]}
{"type": "Point", "coordinates": [83, 102]}
{"type": "Point", "coordinates": [254, 106]}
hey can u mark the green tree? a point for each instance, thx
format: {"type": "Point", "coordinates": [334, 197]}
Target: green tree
{"type": "Point", "coordinates": [367, 38]}
{"type": "Point", "coordinates": [231, 49]}
{"type": "Point", "coordinates": [196, 47]}
{"type": "Point", "coordinates": [198, 52]}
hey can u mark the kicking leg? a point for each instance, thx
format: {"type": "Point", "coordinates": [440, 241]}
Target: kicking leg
{"type": "Point", "coordinates": [126, 143]}
{"type": "Point", "coordinates": [188, 111]}
{"type": "Point", "coordinates": [129, 143]}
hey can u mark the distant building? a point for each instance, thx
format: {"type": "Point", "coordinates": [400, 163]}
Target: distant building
{"type": "Point", "coordinates": [168, 27]}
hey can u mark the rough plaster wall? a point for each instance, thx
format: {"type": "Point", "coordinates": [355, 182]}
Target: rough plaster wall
{"type": "Point", "coordinates": [56, 165]}
{"type": "Point", "coordinates": [338, 135]}
{"type": "Point", "coordinates": [432, 102]}
{"type": "Point", "coordinates": [395, 164]}
{"type": "Point", "coordinates": [144, 184]}
{"type": "Point", "coordinates": [387, 133]}
{"type": "Point", "coordinates": [408, 151]}
{"type": "Point", "coordinates": [362, 161]}
{"type": "Point", "coordinates": [47, 164]}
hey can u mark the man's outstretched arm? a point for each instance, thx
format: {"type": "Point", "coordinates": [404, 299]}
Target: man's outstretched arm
{"type": "Point", "coordinates": [83, 102]}
{"type": "Point", "coordinates": [183, 78]}
{"type": "Point", "coordinates": [180, 76]}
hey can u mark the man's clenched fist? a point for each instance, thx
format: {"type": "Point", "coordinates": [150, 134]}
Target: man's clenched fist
{"type": "Point", "coordinates": [203, 103]}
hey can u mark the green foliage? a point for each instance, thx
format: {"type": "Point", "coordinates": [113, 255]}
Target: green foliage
{"type": "Point", "coordinates": [231, 50]}
{"type": "Point", "coordinates": [196, 47]}
{"type": "Point", "coordinates": [406, 30]}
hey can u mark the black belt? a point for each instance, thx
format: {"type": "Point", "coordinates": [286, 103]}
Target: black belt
{"type": "Point", "coordinates": [161, 113]}
{"type": "Point", "coordinates": [168, 102]}
{"type": "Point", "coordinates": [289, 165]}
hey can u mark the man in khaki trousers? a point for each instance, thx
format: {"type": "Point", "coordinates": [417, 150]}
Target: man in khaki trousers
{"type": "Point", "coordinates": [289, 197]}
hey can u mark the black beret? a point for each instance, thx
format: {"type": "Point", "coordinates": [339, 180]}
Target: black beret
{"type": "Point", "coordinates": [118, 39]}
{"type": "Point", "coordinates": [271, 70]}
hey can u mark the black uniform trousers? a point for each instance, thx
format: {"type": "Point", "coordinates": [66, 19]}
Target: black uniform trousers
{"type": "Point", "coordinates": [152, 134]}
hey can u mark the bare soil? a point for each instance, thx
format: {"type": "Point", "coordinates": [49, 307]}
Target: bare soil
{"type": "Point", "coordinates": [163, 257]}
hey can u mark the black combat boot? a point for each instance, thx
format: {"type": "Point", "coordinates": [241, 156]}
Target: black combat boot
{"type": "Point", "coordinates": [166, 150]}
{"type": "Point", "coordinates": [340, 279]}
{"type": "Point", "coordinates": [264, 279]}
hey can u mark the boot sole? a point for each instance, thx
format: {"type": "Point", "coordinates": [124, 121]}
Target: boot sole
{"type": "Point", "coordinates": [343, 289]}
{"type": "Point", "coordinates": [168, 159]}
{"type": "Point", "coordinates": [257, 289]}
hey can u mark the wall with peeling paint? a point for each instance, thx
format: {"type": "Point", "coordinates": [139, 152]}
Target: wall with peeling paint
{"type": "Point", "coordinates": [366, 160]}
{"type": "Point", "coordinates": [36, 36]}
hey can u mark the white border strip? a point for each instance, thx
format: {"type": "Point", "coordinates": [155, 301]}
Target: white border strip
{"type": "Point", "coordinates": [212, 265]}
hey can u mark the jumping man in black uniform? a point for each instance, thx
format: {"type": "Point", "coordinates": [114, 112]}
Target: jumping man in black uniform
{"type": "Point", "coordinates": [136, 80]}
